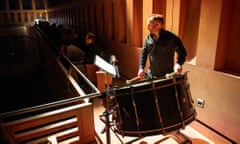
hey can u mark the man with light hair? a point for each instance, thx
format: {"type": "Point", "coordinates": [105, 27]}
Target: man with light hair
{"type": "Point", "coordinates": [160, 46]}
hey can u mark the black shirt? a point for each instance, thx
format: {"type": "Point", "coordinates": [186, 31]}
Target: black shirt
{"type": "Point", "coordinates": [161, 53]}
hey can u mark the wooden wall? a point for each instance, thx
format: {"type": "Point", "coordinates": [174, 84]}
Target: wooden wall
{"type": "Point", "coordinates": [209, 30]}
{"type": "Point", "coordinates": [21, 12]}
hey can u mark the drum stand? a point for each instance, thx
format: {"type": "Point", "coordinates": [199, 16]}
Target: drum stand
{"type": "Point", "coordinates": [104, 117]}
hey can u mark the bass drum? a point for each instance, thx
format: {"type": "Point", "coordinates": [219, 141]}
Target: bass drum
{"type": "Point", "coordinates": [153, 107]}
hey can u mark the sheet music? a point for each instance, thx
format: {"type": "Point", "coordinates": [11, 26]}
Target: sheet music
{"type": "Point", "coordinates": [101, 63]}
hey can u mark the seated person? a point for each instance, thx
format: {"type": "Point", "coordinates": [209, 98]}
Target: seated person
{"type": "Point", "coordinates": [91, 49]}
{"type": "Point", "coordinates": [74, 53]}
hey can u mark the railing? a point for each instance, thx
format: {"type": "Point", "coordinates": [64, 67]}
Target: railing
{"type": "Point", "coordinates": [78, 93]}
{"type": "Point", "coordinates": [25, 17]}
{"type": "Point", "coordinates": [65, 59]}
{"type": "Point", "coordinates": [67, 112]}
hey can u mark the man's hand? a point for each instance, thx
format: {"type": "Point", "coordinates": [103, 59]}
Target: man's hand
{"type": "Point", "coordinates": [141, 73]}
{"type": "Point", "coordinates": [177, 68]}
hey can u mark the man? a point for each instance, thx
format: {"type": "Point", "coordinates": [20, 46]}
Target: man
{"type": "Point", "coordinates": [91, 49]}
{"type": "Point", "coordinates": [160, 45]}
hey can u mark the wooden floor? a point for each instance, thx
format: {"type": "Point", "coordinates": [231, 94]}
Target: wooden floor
{"type": "Point", "coordinates": [206, 136]}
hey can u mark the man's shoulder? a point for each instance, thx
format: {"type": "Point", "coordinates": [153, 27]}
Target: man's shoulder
{"type": "Point", "coordinates": [168, 33]}
{"type": "Point", "coordinates": [76, 49]}
{"type": "Point", "coordinates": [149, 39]}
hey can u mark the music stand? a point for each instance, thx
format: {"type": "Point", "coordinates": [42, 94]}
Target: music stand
{"type": "Point", "coordinates": [104, 65]}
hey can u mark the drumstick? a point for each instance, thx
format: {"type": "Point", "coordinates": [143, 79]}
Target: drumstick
{"type": "Point", "coordinates": [169, 75]}
{"type": "Point", "coordinates": [133, 80]}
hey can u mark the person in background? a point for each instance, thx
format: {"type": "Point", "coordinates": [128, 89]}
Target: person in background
{"type": "Point", "coordinates": [91, 49]}
{"type": "Point", "coordinates": [160, 45]}
{"type": "Point", "coordinates": [69, 49]}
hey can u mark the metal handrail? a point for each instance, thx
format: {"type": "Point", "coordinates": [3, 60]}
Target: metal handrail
{"type": "Point", "coordinates": [58, 103]}
{"type": "Point", "coordinates": [67, 59]}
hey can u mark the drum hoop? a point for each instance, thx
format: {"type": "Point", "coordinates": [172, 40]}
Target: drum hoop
{"type": "Point", "coordinates": [163, 130]}
{"type": "Point", "coordinates": [149, 89]}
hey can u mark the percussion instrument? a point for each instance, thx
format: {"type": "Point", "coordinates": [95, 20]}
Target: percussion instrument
{"type": "Point", "coordinates": [153, 106]}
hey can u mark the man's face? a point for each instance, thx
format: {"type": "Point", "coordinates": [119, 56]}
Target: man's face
{"type": "Point", "coordinates": [157, 25]}
{"type": "Point", "coordinates": [88, 41]}
{"type": "Point", "coordinates": [150, 25]}
{"type": "Point", "coordinates": [154, 26]}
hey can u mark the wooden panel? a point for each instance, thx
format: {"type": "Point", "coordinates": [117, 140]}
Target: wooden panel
{"type": "Point", "coordinates": [103, 79]}
{"type": "Point", "coordinates": [91, 72]}
{"type": "Point", "coordinates": [63, 124]}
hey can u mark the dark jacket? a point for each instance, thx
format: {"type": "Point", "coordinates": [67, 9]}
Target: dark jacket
{"type": "Point", "coordinates": [90, 52]}
{"type": "Point", "coordinates": [161, 53]}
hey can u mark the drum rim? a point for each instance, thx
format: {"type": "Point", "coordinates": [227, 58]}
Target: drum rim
{"type": "Point", "coordinates": [146, 82]}
{"type": "Point", "coordinates": [160, 130]}
{"type": "Point", "coordinates": [148, 89]}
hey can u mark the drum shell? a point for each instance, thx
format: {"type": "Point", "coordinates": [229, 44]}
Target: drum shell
{"type": "Point", "coordinates": [154, 107]}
